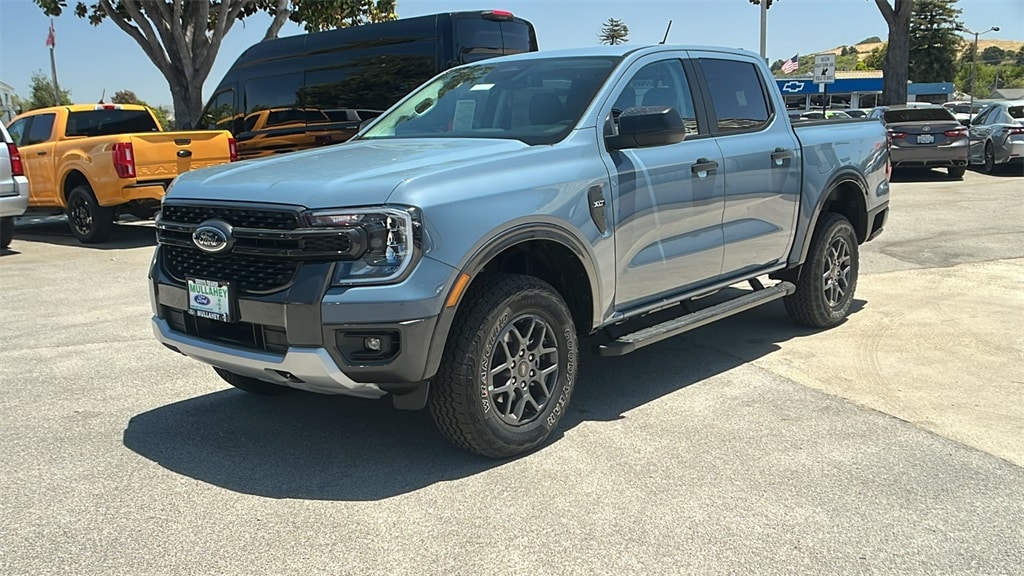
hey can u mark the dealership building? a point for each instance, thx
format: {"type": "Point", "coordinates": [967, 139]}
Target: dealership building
{"type": "Point", "coordinates": [857, 89]}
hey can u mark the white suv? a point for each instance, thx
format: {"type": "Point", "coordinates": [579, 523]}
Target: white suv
{"type": "Point", "coordinates": [13, 187]}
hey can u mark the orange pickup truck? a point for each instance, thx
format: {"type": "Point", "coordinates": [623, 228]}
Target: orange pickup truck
{"type": "Point", "coordinates": [96, 162]}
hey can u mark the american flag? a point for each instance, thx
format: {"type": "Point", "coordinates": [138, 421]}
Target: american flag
{"type": "Point", "coordinates": [791, 64]}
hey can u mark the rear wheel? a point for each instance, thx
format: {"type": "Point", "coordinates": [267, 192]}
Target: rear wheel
{"type": "Point", "coordinates": [828, 279]}
{"type": "Point", "coordinates": [90, 223]}
{"type": "Point", "coordinates": [6, 231]}
{"type": "Point", "coordinates": [251, 385]}
{"type": "Point", "coordinates": [508, 369]}
{"type": "Point", "coordinates": [989, 163]}
{"type": "Point", "coordinates": [956, 172]}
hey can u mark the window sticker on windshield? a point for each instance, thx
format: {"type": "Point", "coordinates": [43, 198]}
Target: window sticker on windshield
{"type": "Point", "coordinates": [464, 111]}
{"type": "Point", "coordinates": [482, 87]}
{"type": "Point", "coordinates": [741, 97]}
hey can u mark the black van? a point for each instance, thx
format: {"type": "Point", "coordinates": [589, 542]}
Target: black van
{"type": "Point", "coordinates": [315, 89]}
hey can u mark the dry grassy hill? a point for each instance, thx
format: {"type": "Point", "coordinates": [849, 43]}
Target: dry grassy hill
{"type": "Point", "coordinates": [863, 50]}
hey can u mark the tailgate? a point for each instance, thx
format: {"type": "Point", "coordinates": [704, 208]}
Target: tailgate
{"type": "Point", "coordinates": [164, 155]}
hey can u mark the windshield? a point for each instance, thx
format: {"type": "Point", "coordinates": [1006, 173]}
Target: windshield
{"type": "Point", "coordinates": [535, 101]}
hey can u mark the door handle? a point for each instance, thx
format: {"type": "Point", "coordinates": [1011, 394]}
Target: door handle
{"type": "Point", "coordinates": [703, 165]}
{"type": "Point", "coordinates": [780, 154]}
{"type": "Point", "coordinates": [41, 153]}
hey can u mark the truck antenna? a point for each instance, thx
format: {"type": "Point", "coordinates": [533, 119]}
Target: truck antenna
{"type": "Point", "coordinates": [102, 95]}
{"type": "Point", "coordinates": [663, 40]}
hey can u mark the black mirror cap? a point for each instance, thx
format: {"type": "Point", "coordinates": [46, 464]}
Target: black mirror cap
{"type": "Point", "coordinates": [645, 126]}
{"type": "Point", "coordinates": [966, 121]}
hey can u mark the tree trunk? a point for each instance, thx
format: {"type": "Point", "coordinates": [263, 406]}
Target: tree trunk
{"type": "Point", "coordinates": [188, 102]}
{"type": "Point", "coordinates": [896, 67]}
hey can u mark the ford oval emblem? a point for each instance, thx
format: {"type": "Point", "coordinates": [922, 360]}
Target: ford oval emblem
{"type": "Point", "coordinates": [212, 237]}
{"type": "Point", "coordinates": [201, 299]}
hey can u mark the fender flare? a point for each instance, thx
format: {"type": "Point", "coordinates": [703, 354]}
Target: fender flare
{"type": "Point", "coordinates": [514, 233]}
{"type": "Point", "coordinates": [842, 176]}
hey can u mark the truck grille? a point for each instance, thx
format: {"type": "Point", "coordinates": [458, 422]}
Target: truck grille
{"type": "Point", "coordinates": [251, 274]}
{"type": "Point", "coordinates": [239, 217]}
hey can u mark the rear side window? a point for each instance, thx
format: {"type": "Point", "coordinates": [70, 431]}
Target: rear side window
{"type": "Point", "coordinates": [40, 129]}
{"type": "Point", "coordinates": [737, 95]}
{"type": "Point", "coordinates": [918, 115]}
{"type": "Point", "coordinates": [1016, 112]}
{"type": "Point", "coordinates": [109, 122]}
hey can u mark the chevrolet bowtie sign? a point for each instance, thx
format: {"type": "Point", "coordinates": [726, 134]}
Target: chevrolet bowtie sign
{"type": "Point", "coordinates": [792, 86]}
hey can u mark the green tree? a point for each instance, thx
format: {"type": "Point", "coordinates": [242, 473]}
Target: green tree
{"type": "Point", "coordinates": [896, 66]}
{"type": "Point", "coordinates": [876, 59]}
{"type": "Point", "coordinates": [129, 97]}
{"type": "Point", "coordinates": [613, 31]}
{"type": "Point", "coordinates": [182, 38]}
{"type": "Point", "coordinates": [992, 55]}
{"type": "Point", "coordinates": [934, 41]}
{"type": "Point", "coordinates": [872, 40]}
{"type": "Point", "coordinates": [41, 93]}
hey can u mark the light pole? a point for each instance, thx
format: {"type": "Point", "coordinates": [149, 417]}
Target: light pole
{"type": "Point", "coordinates": [974, 60]}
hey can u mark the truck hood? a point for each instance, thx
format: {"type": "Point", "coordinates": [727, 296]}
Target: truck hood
{"type": "Point", "coordinates": [359, 173]}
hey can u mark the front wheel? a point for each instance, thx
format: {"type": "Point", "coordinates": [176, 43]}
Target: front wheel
{"type": "Point", "coordinates": [509, 367]}
{"type": "Point", "coordinates": [828, 279]}
{"type": "Point", "coordinates": [90, 222]}
{"type": "Point", "coordinates": [6, 231]}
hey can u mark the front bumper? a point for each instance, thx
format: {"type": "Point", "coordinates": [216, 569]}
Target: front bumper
{"type": "Point", "coordinates": [310, 335]}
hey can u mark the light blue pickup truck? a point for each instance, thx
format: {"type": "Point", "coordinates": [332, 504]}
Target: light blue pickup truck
{"type": "Point", "coordinates": [454, 253]}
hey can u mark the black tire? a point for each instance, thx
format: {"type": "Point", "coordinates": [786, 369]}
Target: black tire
{"type": "Point", "coordinates": [956, 172]}
{"type": "Point", "coordinates": [495, 338]}
{"type": "Point", "coordinates": [251, 385]}
{"type": "Point", "coordinates": [90, 223]}
{"type": "Point", "coordinates": [6, 231]}
{"type": "Point", "coordinates": [828, 278]}
{"type": "Point", "coordinates": [989, 159]}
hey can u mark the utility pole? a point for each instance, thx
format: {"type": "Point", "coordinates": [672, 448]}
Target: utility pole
{"type": "Point", "coordinates": [51, 41]}
{"type": "Point", "coordinates": [764, 28]}
{"type": "Point", "coordinates": [974, 61]}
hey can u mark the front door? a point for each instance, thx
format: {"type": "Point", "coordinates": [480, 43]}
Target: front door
{"type": "Point", "coordinates": [34, 137]}
{"type": "Point", "coordinates": [667, 201]}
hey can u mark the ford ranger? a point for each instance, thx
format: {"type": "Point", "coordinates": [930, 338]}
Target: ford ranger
{"type": "Point", "coordinates": [93, 162]}
{"type": "Point", "coordinates": [454, 253]}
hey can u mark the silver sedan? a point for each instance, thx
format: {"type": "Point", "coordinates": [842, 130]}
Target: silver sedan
{"type": "Point", "coordinates": [997, 135]}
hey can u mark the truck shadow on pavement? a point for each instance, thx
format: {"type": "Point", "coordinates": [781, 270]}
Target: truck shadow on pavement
{"type": "Point", "coordinates": [309, 446]}
{"type": "Point", "coordinates": [127, 234]}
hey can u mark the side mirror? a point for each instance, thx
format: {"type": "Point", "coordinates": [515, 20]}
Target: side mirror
{"type": "Point", "coordinates": [966, 122]}
{"type": "Point", "coordinates": [646, 126]}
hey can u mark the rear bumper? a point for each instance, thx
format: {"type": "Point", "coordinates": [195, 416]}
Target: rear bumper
{"type": "Point", "coordinates": [928, 156]}
{"type": "Point", "coordinates": [14, 197]}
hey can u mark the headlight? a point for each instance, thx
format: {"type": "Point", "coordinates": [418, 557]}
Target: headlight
{"type": "Point", "coordinates": [392, 242]}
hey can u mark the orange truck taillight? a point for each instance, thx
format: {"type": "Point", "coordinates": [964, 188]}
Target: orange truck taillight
{"type": "Point", "coordinates": [17, 168]}
{"type": "Point", "coordinates": [233, 149]}
{"type": "Point", "coordinates": [124, 160]}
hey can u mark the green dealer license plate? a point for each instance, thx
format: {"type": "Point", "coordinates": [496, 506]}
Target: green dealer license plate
{"type": "Point", "coordinates": [211, 299]}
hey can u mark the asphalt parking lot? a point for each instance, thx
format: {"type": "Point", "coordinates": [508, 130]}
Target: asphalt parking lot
{"type": "Point", "coordinates": [891, 444]}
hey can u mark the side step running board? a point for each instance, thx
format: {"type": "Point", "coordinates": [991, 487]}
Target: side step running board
{"type": "Point", "coordinates": [632, 342]}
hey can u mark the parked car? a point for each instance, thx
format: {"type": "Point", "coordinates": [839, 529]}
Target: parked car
{"type": "Point", "coordinates": [856, 113]}
{"type": "Point", "coordinates": [997, 135]}
{"type": "Point", "coordinates": [13, 187]}
{"type": "Point", "coordinates": [964, 111]}
{"type": "Point", "coordinates": [827, 114]}
{"type": "Point", "coordinates": [454, 253]}
{"type": "Point", "coordinates": [925, 136]}
{"type": "Point", "coordinates": [93, 162]}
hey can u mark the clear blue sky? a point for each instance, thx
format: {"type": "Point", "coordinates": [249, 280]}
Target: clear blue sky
{"type": "Point", "coordinates": [91, 59]}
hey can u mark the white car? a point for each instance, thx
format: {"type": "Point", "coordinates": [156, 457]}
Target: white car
{"type": "Point", "coordinates": [964, 111]}
{"type": "Point", "coordinates": [13, 187]}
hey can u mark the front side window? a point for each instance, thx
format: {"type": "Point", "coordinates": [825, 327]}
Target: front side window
{"type": "Point", "coordinates": [220, 112]}
{"type": "Point", "coordinates": [17, 131]}
{"type": "Point", "coordinates": [737, 95]}
{"type": "Point", "coordinates": [535, 101]}
{"type": "Point", "coordinates": [659, 84]}
{"type": "Point", "coordinates": [41, 129]}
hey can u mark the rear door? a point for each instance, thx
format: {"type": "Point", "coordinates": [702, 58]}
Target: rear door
{"type": "Point", "coordinates": [762, 162]}
{"type": "Point", "coordinates": [667, 200]}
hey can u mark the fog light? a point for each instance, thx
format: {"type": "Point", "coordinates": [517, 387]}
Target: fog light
{"type": "Point", "coordinates": [372, 343]}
